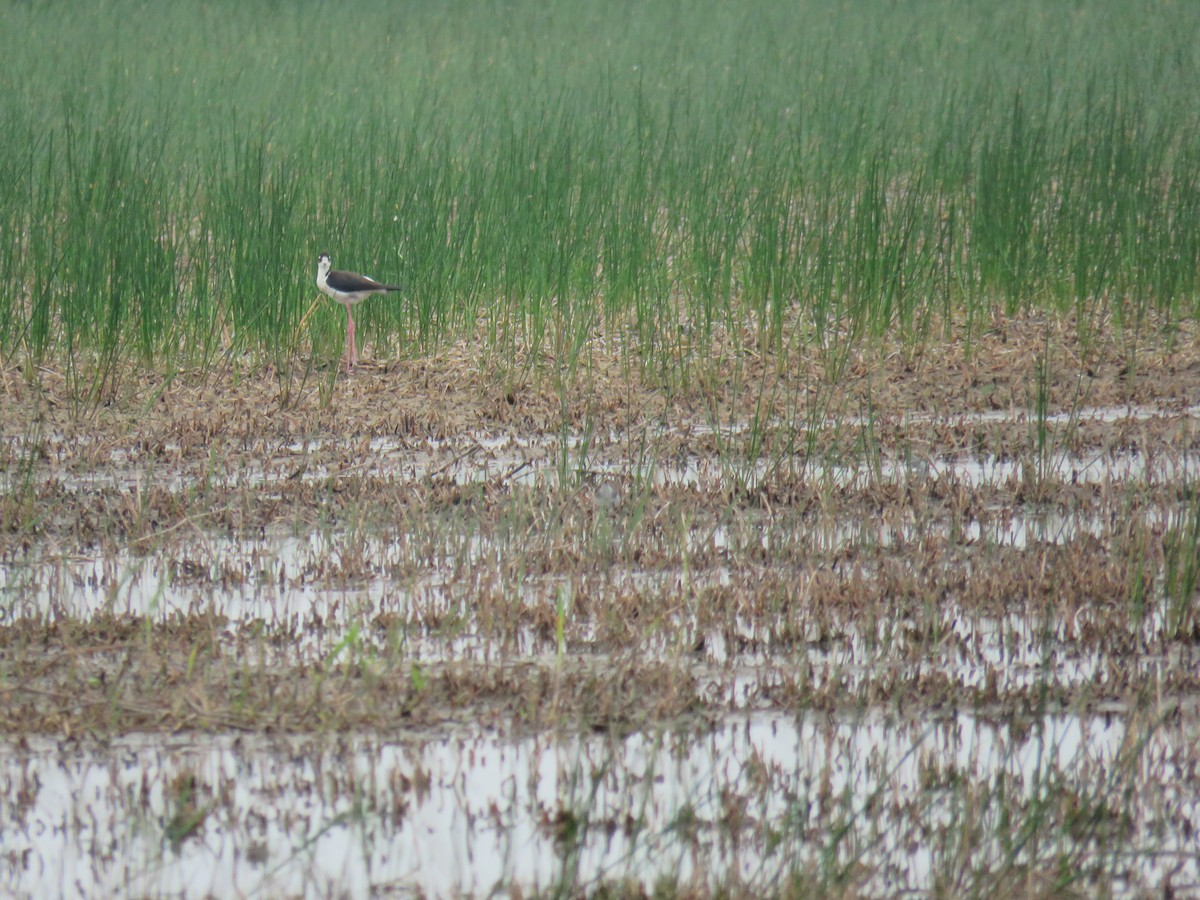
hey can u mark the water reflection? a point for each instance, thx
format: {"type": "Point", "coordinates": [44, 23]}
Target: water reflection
{"type": "Point", "coordinates": [754, 802]}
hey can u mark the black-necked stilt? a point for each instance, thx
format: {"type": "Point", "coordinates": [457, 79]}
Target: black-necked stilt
{"type": "Point", "coordinates": [347, 288]}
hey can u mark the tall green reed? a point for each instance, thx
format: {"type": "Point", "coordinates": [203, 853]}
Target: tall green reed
{"type": "Point", "coordinates": [550, 170]}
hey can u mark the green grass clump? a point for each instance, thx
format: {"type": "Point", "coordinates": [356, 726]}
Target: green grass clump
{"type": "Point", "coordinates": [169, 171]}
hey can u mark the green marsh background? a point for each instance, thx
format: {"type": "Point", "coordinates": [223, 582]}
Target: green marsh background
{"type": "Point", "coordinates": [532, 170]}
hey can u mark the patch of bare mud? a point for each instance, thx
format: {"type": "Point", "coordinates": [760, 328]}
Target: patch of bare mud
{"type": "Point", "coordinates": [995, 375]}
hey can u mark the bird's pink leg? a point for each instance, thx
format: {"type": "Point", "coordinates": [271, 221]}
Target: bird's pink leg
{"type": "Point", "coordinates": [351, 346]}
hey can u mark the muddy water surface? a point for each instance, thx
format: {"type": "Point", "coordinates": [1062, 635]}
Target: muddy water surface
{"type": "Point", "coordinates": [911, 629]}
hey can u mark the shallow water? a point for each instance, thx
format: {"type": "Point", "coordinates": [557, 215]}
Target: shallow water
{"type": "Point", "coordinates": [464, 812]}
{"type": "Point", "coordinates": [318, 587]}
{"type": "Point", "coordinates": [508, 457]}
{"type": "Point", "coordinates": [774, 791]}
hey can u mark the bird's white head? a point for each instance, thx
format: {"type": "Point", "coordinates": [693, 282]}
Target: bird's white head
{"type": "Point", "coordinates": [323, 265]}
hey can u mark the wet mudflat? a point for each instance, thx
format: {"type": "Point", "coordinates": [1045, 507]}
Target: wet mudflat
{"type": "Point", "coordinates": [858, 626]}
{"type": "Point", "coordinates": [469, 809]}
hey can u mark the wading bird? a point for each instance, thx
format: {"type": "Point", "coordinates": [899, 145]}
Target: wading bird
{"type": "Point", "coordinates": [347, 289]}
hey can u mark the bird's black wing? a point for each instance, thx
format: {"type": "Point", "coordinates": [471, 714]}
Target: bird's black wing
{"type": "Point", "coordinates": [349, 283]}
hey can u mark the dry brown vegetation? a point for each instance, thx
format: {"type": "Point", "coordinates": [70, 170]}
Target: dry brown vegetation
{"type": "Point", "coordinates": [623, 512]}
{"type": "Point", "coordinates": [450, 545]}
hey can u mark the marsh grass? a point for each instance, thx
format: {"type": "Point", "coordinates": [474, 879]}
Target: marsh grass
{"type": "Point", "coordinates": [546, 171]}
{"type": "Point", "coordinates": [706, 193]}
{"type": "Point", "coordinates": [1181, 568]}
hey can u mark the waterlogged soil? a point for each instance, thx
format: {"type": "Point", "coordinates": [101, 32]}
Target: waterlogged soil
{"type": "Point", "coordinates": [879, 602]}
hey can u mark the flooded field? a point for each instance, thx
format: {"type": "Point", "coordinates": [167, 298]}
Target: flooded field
{"type": "Point", "coordinates": [900, 626]}
{"type": "Point", "coordinates": [871, 800]}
